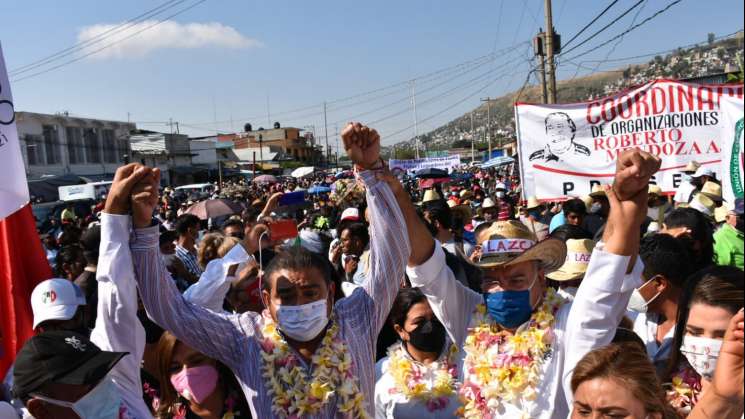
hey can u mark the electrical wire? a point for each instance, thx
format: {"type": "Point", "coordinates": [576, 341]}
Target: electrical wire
{"type": "Point", "coordinates": [38, 73]}
{"type": "Point", "coordinates": [659, 12]}
{"type": "Point", "coordinates": [96, 39]}
{"type": "Point", "coordinates": [566, 44]}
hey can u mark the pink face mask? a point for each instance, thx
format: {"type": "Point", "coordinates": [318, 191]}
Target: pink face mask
{"type": "Point", "coordinates": [195, 384]}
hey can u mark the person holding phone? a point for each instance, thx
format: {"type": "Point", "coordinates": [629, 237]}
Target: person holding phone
{"type": "Point", "coordinates": [302, 328]}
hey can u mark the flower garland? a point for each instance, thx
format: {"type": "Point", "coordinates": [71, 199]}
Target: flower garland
{"type": "Point", "coordinates": [295, 396]}
{"type": "Point", "coordinates": [408, 377]}
{"type": "Point", "coordinates": [500, 367]}
{"type": "Point", "coordinates": [685, 389]}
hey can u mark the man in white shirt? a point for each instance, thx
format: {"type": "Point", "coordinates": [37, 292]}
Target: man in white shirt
{"type": "Point", "coordinates": [655, 304]}
{"type": "Point", "coordinates": [522, 341]}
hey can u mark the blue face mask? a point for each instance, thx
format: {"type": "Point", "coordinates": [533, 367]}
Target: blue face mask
{"type": "Point", "coordinates": [509, 308]}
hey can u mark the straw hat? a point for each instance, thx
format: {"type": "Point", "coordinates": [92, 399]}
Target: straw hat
{"type": "Point", "coordinates": [691, 167]}
{"type": "Point", "coordinates": [703, 204]}
{"type": "Point", "coordinates": [430, 195]}
{"type": "Point", "coordinates": [720, 214]}
{"type": "Point", "coordinates": [655, 190]}
{"type": "Point", "coordinates": [488, 203]}
{"type": "Point", "coordinates": [597, 191]}
{"type": "Point", "coordinates": [466, 194]}
{"type": "Point", "coordinates": [452, 203]}
{"type": "Point", "coordinates": [713, 190]}
{"type": "Point", "coordinates": [575, 265]}
{"type": "Point", "coordinates": [506, 243]}
{"type": "Point", "coordinates": [532, 203]}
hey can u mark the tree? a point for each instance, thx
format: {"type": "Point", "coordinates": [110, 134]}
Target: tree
{"type": "Point", "coordinates": [710, 37]}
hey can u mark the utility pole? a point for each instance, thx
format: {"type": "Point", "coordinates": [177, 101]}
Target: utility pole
{"type": "Point", "coordinates": [416, 129]}
{"type": "Point", "coordinates": [550, 50]}
{"type": "Point", "coordinates": [488, 123]}
{"type": "Point", "coordinates": [268, 114]}
{"type": "Point", "coordinates": [473, 147]}
{"type": "Point", "coordinates": [336, 129]}
{"type": "Point", "coordinates": [539, 48]}
{"type": "Point", "coordinates": [326, 133]}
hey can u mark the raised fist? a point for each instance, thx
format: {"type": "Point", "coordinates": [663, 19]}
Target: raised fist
{"type": "Point", "coordinates": [362, 145]}
{"type": "Point", "coordinates": [634, 169]}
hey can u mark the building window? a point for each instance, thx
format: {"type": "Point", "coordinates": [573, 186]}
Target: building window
{"type": "Point", "coordinates": [109, 146]}
{"type": "Point", "coordinates": [51, 144]}
{"type": "Point", "coordinates": [123, 149]}
{"type": "Point", "coordinates": [33, 149]}
{"type": "Point", "coordinates": [92, 148]}
{"type": "Point", "coordinates": [75, 145]}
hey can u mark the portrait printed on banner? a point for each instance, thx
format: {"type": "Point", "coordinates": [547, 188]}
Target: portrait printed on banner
{"type": "Point", "coordinates": [560, 145]}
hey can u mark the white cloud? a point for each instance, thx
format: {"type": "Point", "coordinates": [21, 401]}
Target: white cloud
{"type": "Point", "coordinates": [166, 35]}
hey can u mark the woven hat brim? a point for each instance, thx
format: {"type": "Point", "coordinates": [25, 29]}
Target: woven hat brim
{"type": "Point", "coordinates": [562, 275]}
{"type": "Point", "coordinates": [551, 253]}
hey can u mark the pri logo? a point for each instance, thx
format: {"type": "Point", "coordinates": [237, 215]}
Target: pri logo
{"type": "Point", "coordinates": [75, 343]}
{"type": "Point", "coordinates": [48, 297]}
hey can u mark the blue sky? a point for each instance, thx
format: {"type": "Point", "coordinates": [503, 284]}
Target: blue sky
{"type": "Point", "coordinates": [222, 59]}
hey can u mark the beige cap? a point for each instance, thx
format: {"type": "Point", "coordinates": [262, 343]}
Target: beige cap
{"type": "Point", "coordinates": [655, 190]}
{"type": "Point", "coordinates": [431, 195]}
{"type": "Point", "coordinates": [532, 203]}
{"type": "Point", "coordinates": [597, 191]}
{"type": "Point", "coordinates": [488, 203]}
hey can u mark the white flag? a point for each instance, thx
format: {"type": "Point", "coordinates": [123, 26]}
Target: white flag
{"type": "Point", "coordinates": [13, 187]}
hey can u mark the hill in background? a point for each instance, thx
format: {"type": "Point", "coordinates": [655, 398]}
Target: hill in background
{"type": "Point", "coordinates": [713, 57]}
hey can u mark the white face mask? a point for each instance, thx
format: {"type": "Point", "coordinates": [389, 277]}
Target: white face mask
{"type": "Point", "coordinates": [500, 194]}
{"type": "Point", "coordinates": [103, 402]}
{"type": "Point", "coordinates": [304, 322]}
{"type": "Point", "coordinates": [637, 302]}
{"type": "Point", "coordinates": [702, 354]}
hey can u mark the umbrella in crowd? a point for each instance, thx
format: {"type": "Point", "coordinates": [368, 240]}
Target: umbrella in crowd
{"type": "Point", "coordinates": [314, 190]}
{"type": "Point", "coordinates": [302, 172]}
{"type": "Point", "coordinates": [265, 179]}
{"type": "Point", "coordinates": [212, 208]}
{"type": "Point", "coordinates": [431, 173]}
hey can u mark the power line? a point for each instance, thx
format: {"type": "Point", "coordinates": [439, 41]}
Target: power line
{"type": "Point", "coordinates": [659, 12]}
{"type": "Point", "coordinates": [634, 6]}
{"type": "Point", "coordinates": [589, 24]}
{"type": "Point", "coordinates": [110, 44]}
{"type": "Point", "coordinates": [96, 39]}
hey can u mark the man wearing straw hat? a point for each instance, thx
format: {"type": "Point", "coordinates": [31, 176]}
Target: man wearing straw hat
{"type": "Point", "coordinates": [569, 276]}
{"type": "Point", "coordinates": [534, 220]}
{"type": "Point", "coordinates": [686, 187]}
{"type": "Point", "coordinates": [521, 339]}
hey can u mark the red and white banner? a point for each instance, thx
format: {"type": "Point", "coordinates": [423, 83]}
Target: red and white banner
{"type": "Point", "coordinates": [23, 263]}
{"type": "Point", "coordinates": [565, 149]}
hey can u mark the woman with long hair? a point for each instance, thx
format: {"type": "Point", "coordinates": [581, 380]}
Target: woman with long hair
{"type": "Point", "coordinates": [419, 377]}
{"type": "Point", "coordinates": [710, 299]}
{"type": "Point", "coordinates": [618, 381]}
{"type": "Point", "coordinates": [193, 385]}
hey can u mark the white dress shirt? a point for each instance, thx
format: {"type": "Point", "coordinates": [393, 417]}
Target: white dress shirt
{"type": "Point", "coordinates": [586, 323]}
{"type": "Point", "coordinates": [213, 285]}
{"type": "Point", "coordinates": [645, 326]}
{"type": "Point", "coordinates": [390, 404]}
{"type": "Point", "coordinates": [117, 327]}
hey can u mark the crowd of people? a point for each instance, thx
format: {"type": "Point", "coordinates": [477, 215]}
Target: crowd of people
{"type": "Point", "coordinates": [390, 297]}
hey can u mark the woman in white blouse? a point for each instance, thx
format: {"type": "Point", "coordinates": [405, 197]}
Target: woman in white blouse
{"type": "Point", "coordinates": [419, 377]}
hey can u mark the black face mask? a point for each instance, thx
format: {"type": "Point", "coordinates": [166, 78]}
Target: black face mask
{"type": "Point", "coordinates": [429, 336]}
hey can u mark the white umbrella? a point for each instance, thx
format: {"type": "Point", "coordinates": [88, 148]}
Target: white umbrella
{"type": "Point", "coordinates": [302, 172]}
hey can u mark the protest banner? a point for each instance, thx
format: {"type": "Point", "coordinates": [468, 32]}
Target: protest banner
{"type": "Point", "coordinates": [565, 149]}
{"type": "Point", "coordinates": [445, 163]}
{"type": "Point", "coordinates": [732, 150]}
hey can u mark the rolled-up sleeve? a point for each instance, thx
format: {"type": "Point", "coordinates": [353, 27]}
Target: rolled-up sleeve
{"type": "Point", "coordinates": [598, 307]}
{"type": "Point", "coordinates": [219, 336]}
{"type": "Point", "coordinates": [452, 303]}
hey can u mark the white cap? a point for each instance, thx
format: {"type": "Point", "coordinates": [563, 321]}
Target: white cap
{"type": "Point", "coordinates": [704, 171]}
{"type": "Point", "coordinates": [500, 185]}
{"type": "Point", "coordinates": [488, 203]}
{"type": "Point", "coordinates": [55, 299]}
{"type": "Point", "coordinates": [350, 214]}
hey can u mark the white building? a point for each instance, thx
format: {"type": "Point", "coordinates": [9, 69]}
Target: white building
{"type": "Point", "coordinates": [170, 153]}
{"type": "Point", "coordinates": [61, 144]}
